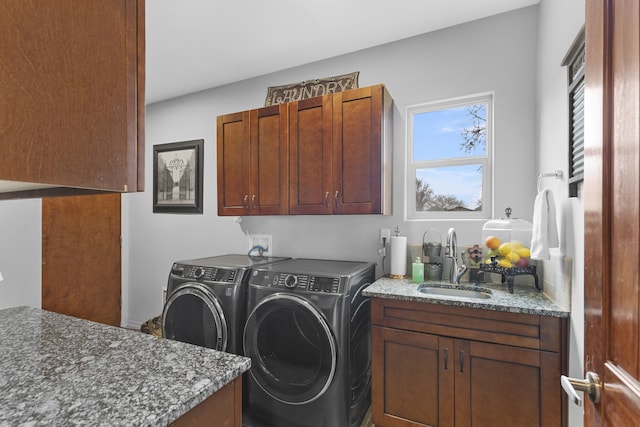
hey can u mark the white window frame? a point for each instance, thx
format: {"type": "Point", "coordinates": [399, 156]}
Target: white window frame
{"type": "Point", "coordinates": [486, 161]}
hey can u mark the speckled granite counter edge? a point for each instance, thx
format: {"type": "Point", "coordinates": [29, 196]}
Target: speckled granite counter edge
{"type": "Point", "coordinates": [525, 300]}
{"type": "Point", "coordinates": [60, 370]}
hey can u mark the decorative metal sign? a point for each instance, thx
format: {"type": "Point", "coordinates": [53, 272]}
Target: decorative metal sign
{"type": "Point", "coordinates": [311, 88]}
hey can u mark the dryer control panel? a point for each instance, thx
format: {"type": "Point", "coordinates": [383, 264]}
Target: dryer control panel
{"type": "Point", "coordinates": [324, 284]}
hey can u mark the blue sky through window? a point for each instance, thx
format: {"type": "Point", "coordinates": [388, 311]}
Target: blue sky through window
{"type": "Point", "coordinates": [438, 136]}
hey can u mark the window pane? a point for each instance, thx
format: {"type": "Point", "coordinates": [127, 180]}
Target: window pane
{"type": "Point", "coordinates": [450, 132]}
{"type": "Point", "coordinates": [450, 188]}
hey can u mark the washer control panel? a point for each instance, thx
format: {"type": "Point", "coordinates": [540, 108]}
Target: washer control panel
{"type": "Point", "coordinates": [202, 273]}
{"type": "Point", "coordinates": [302, 282]}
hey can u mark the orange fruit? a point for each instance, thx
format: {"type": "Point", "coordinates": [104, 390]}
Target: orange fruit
{"type": "Point", "coordinates": [492, 242]}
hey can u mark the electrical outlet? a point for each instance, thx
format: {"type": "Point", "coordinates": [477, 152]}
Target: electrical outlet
{"type": "Point", "coordinates": [264, 240]}
{"type": "Point", "coordinates": [385, 235]}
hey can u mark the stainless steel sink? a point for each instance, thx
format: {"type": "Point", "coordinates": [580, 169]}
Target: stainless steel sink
{"type": "Point", "coordinates": [454, 292]}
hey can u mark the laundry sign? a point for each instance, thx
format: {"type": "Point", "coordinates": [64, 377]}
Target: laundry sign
{"type": "Point", "coordinates": [311, 88]}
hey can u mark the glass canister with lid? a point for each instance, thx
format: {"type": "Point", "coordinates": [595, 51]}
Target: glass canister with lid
{"type": "Point", "coordinates": [506, 242]}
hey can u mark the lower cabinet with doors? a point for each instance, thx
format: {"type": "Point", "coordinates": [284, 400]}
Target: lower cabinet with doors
{"type": "Point", "coordinates": [440, 365]}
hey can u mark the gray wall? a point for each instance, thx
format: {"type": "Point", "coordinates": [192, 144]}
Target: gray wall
{"type": "Point", "coordinates": [559, 23]}
{"type": "Point", "coordinates": [496, 54]}
{"type": "Point", "coordinates": [20, 253]}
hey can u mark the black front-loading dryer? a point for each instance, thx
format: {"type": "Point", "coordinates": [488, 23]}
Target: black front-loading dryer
{"type": "Point", "coordinates": [206, 300]}
{"type": "Point", "coordinates": [308, 334]}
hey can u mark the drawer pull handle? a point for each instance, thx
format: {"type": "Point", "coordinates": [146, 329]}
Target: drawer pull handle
{"type": "Point", "coordinates": [461, 360]}
{"type": "Point", "coordinates": [253, 201]}
{"type": "Point", "coordinates": [336, 198]}
{"type": "Point", "coordinates": [326, 199]}
{"type": "Point", "coordinates": [244, 202]}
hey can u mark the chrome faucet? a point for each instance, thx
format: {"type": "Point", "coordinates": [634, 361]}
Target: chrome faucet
{"type": "Point", "coordinates": [452, 252]}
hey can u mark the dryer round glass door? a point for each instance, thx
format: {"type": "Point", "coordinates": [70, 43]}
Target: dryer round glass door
{"type": "Point", "coordinates": [292, 350]}
{"type": "Point", "coordinates": [193, 314]}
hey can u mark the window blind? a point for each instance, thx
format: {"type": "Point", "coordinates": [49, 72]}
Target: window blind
{"type": "Point", "coordinates": [575, 63]}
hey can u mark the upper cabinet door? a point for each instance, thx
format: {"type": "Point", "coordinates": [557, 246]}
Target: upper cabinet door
{"type": "Point", "coordinates": [252, 151]}
{"type": "Point", "coordinates": [72, 104]}
{"type": "Point", "coordinates": [269, 193]}
{"type": "Point", "coordinates": [233, 157]}
{"type": "Point", "coordinates": [362, 151]}
{"type": "Point", "coordinates": [310, 156]}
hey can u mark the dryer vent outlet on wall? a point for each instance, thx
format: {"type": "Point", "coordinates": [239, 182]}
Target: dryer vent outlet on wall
{"type": "Point", "coordinates": [264, 240]}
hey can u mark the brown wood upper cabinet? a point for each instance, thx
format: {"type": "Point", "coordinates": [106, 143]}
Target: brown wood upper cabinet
{"type": "Point", "coordinates": [445, 366]}
{"type": "Point", "coordinates": [337, 157]}
{"type": "Point", "coordinates": [252, 162]}
{"type": "Point", "coordinates": [72, 104]}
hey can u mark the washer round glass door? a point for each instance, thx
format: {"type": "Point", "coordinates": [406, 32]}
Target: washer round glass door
{"type": "Point", "coordinates": [193, 314]}
{"type": "Point", "coordinates": [292, 349]}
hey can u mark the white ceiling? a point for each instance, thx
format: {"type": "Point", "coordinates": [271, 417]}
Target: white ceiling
{"type": "Point", "coordinates": [193, 45]}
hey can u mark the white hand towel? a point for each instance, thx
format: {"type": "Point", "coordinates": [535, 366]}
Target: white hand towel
{"type": "Point", "coordinates": [545, 230]}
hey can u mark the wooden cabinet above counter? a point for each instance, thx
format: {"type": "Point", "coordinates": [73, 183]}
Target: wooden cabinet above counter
{"type": "Point", "coordinates": [319, 156]}
{"type": "Point", "coordinates": [72, 105]}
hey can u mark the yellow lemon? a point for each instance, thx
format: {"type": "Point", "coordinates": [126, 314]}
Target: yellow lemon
{"type": "Point", "coordinates": [524, 252]}
{"type": "Point", "coordinates": [505, 263]}
{"type": "Point", "coordinates": [515, 245]}
{"type": "Point", "coordinates": [513, 257]}
{"type": "Point", "coordinates": [504, 249]}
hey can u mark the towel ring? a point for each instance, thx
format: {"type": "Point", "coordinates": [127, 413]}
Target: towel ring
{"type": "Point", "coordinates": [557, 174]}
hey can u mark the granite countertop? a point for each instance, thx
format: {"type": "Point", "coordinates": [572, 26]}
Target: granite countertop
{"type": "Point", "coordinates": [525, 299]}
{"type": "Point", "coordinates": [60, 370]}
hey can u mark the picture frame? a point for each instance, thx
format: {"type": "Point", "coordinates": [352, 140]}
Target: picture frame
{"type": "Point", "coordinates": [178, 177]}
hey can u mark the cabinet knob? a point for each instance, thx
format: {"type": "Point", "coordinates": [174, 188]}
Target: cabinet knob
{"type": "Point", "coordinates": [590, 385]}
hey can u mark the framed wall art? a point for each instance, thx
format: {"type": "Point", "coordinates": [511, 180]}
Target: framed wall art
{"type": "Point", "coordinates": [177, 177]}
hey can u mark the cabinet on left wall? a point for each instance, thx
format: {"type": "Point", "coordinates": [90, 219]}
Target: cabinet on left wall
{"type": "Point", "coordinates": [72, 106]}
